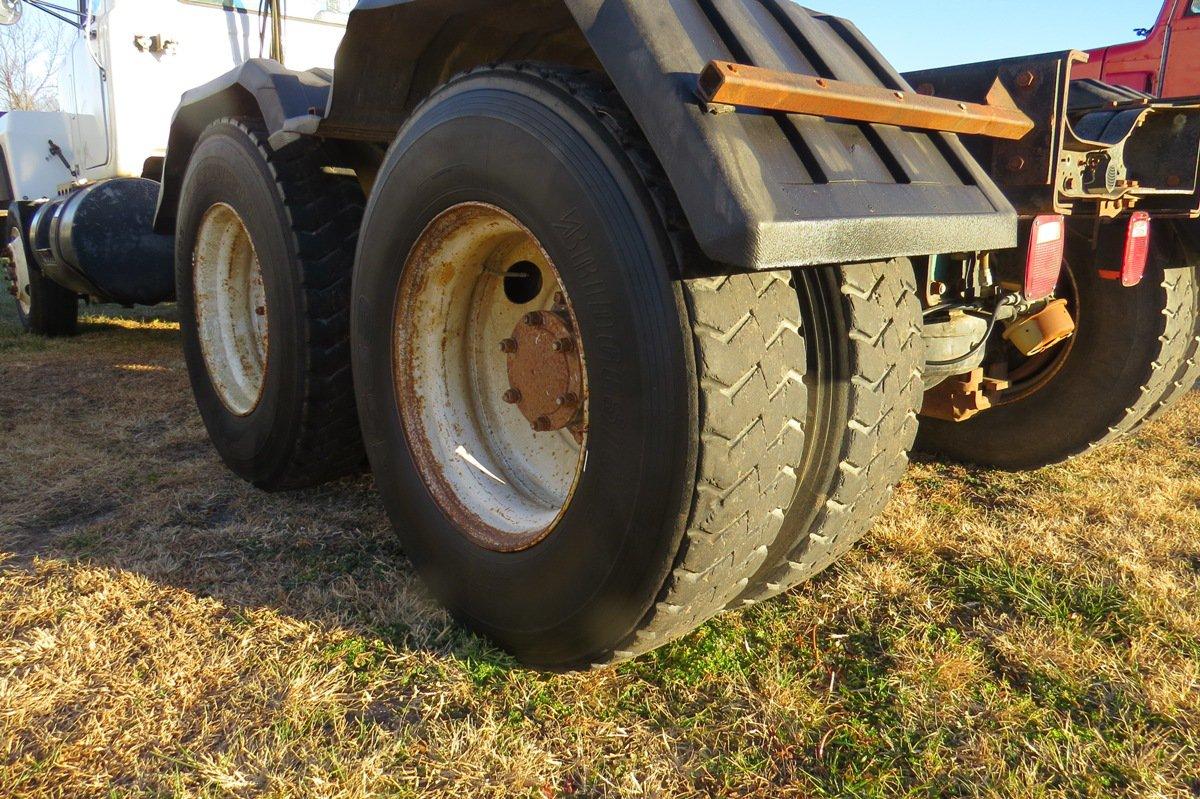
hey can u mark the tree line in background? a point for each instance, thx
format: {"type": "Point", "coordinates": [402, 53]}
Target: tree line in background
{"type": "Point", "coordinates": [31, 56]}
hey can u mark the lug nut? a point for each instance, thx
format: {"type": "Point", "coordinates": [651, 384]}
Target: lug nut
{"type": "Point", "coordinates": [1016, 163]}
{"type": "Point", "coordinates": [567, 400]}
{"type": "Point", "coordinates": [533, 319]}
{"type": "Point", "coordinates": [542, 424]}
{"type": "Point", "coordinates": [512, 396]}
{"type": "Point", "coordinates": [564, 345]}
{"type": "Point", "coordinates": [1026, 79]}
{"type": "Point", "coordinates": [508, 345]}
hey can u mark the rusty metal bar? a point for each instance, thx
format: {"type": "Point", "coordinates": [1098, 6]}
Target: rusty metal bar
{"type": "Point", "coordinates": [726, 83]}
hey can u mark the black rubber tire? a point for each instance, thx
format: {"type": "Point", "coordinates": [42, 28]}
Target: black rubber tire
{"type": "Point", "coordinates": [693, 440]}
{"type": "Point", "coordinates": [1129, 349]}
{"type": "Point", "coordinates": [866, 384]}
{"type": "Point", "coordinates": [1180, 272]}
{"type": "Point", "coordinates": [53, 310]}
{"type": "Point", "coordinates": [304, 224]}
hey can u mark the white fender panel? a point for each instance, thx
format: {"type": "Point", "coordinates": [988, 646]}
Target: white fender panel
{"type": "Point", "coordinates": [25, 138]}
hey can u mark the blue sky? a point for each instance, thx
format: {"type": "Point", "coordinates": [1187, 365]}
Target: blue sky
{"type": "Point", "coordinates": [915, 34]}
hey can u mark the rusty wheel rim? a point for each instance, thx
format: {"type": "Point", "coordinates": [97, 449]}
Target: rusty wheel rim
{"type": "Point", "coordinates": [231, 309]}
{"type": "Point", "coordinates": [489, 375]}
{"type": "Point", "coordinates": [16, 254]}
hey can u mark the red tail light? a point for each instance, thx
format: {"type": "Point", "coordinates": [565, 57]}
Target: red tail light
{"type": "Point", "coordinates": [1044, 263]}
{"type": "Point", "coordinates": [1137, 249]}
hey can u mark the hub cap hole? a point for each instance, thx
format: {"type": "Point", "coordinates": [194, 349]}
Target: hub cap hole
{"type": "Point", "coordinates": [523, 282]}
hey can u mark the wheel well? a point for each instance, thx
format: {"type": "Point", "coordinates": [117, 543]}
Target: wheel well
{"type": "Point", "coordinates": [190, 121]}
{"type": "Point", "coordinates": [423, 44]}
{"type": "Point", "coordinates": [152, 167]}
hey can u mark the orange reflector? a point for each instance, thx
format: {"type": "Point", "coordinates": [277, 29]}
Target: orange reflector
{"type": "Point", "coordinates": [1137, 249]}
{"type": "Point", "coordinates": [1043, 266]}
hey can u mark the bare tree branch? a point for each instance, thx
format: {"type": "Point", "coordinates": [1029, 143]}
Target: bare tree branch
{"type": "Point", "coordinates": [32, 54]}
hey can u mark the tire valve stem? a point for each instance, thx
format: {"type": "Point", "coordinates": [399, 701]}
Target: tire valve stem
{"type": "Point", "coordinates": [512, 396]}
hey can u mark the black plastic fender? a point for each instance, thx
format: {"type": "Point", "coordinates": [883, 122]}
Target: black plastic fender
{"type": "Point", "coordinates": [290, 103]}
{"type": "Point", "coordinates": [760, 190]}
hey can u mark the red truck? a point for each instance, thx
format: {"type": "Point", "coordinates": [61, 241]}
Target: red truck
{"type": "Point", "coordinates": [1165, 63]}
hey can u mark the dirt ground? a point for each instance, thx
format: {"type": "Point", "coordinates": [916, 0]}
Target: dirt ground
{"type": "Point", "coordinates": [166, 630]}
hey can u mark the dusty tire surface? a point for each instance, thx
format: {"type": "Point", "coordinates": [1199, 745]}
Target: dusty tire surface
{"type": "Point", "coordinates": [303, 225]}
{"type": "Point", "coordinates": [694, 438]}
{"type": "Point", "coordinates": [1184, 356]}
{"type": "Point", "coordinates": [53, 310]}
{"type": "Point", "coordinates": [862, 324]}
{"type": "Point", "coordinates": [1130, 352]}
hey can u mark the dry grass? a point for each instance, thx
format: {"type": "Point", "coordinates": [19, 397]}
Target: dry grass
{"type": "Point", "coordinates": [170, 632]}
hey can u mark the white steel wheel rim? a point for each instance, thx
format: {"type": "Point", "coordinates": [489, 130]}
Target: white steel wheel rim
{"type": "Point", "coordinates": [503, 484]}
{"type": "Point", "coordinates": [231, 309]}
{"type": "Point", "coordinates": [16, 251]}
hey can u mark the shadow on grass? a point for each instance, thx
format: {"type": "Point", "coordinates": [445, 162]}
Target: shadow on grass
{"type": "Point", "coordinates": [125, 479]}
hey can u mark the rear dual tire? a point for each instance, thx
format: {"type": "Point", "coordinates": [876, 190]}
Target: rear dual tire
{"type": "Point", "coordinates": [698, 393]}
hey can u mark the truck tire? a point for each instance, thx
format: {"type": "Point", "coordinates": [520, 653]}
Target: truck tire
{"type": "Point", "coordinates": [264, 257]}
{"type": "Point", "coordinates": [671, 481]}
{"type": "Point", "coordinates": [44, 308]}
{"type": "Point", "coordinates": [1185, 366]}
{"type": "Point", "coordinates": [1130, 347]}
{"type": "Point", "coordinates": [859, 433]}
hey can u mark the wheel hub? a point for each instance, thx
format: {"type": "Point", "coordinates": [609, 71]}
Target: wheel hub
{"type": "Point", "coordinates": [545, 372]}
{"type": "Point", "coordinates": [18, 271]}
{"type": "Point", "coordinates": [498, 433]}
{"type": "Point", "coordinates": [231, 309]}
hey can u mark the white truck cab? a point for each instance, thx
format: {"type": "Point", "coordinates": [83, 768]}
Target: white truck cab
{"type": "Point", "coordinates": [128, 63]}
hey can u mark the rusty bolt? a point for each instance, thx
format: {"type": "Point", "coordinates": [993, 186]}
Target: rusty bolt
{"type": "Point", "coordinates": [567, 400]}
{"type": "Point", "coordinates": [564, 345]}
{"type": "Point", "coordinates": [1026, 79]}
{"type": "Point", "coordinates": [512, 396]}
{"type": "Point", "coordinates": [926, 89]}
{"type": "Point", "coordinates": [533, 319]}
{"type": "Point", "coordinates": [508, 345]}
{"type": "Point", "coordinates": [1016, 164]}
{"type": "Point", "coordinates": [1174, 180]}
{"type": "Point", "coordinates": [937, 287]}
{"type": "Point", "coordinates": [560, 298]}
{"type": "Point", "coordinates": [542, 424]}
{"type": "Point", "coordinates": [261, 310]}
